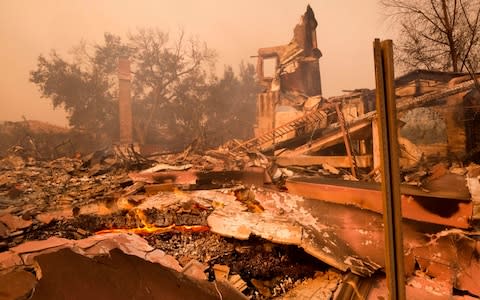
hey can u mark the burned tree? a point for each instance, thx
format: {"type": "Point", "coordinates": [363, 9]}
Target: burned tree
{"type": "Point", "coordinates": [437, 34]}
{"type": "Point", "coordinates": [165, 75]}
{"type": "Point", "coordinates": [84, 87]}
{"type": "Point", "coordinates": [170, 81]}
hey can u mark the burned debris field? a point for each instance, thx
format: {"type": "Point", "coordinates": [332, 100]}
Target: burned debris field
{"type": "Point", "coordinates": [169, 219]}
{"type": "Point", "coordinates": [175, 183]}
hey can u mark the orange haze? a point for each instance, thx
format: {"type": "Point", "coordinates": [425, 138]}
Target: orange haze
{"type": "Point", "coordinates": [235, 29]}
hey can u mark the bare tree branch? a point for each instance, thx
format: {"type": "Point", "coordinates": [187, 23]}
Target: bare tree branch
{"type": "Point", "coordinates": [438, 34]}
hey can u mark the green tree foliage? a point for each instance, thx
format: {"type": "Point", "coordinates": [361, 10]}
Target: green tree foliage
{"type": "Point", "coordinates": [175, 96]}
{"type": "Point", "coordinates": [437, 34]}
{"type": "Point", "coordinates": [86, 87]}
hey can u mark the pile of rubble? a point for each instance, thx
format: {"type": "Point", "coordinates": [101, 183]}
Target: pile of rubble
{"type": "Point", "coordinates": [165, 214]}
{"type": "Point", "coordinates": [207, 223]}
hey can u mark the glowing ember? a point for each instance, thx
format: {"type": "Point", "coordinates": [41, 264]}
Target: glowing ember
{"type": "Point", "coordinates": [147, 228]}
{"type": "Point", "coordinates": [140, 230]}
{"type": "Point", "coordinates": [192, 228]}
{"type": "Point", "coordinates": [157, 230]}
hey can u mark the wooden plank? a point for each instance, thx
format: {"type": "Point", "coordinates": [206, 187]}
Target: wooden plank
{"type": "Point", "coordinates": [328, 140]}
{"type": "Point", "coordinates": [362, 161]}
{"type": "Point", "coordinates": [422, 207]}
{"type": "Point", "coordinates": [251, 175]}
{"type": "Point", "coordinates": [346, 139]}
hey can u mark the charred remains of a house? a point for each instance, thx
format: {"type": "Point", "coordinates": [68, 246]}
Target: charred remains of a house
{"type": "Point", "coordinates": [293, 213]}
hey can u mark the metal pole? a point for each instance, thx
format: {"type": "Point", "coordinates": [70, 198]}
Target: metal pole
{"type": "Point", "coordinates": [389, 150]}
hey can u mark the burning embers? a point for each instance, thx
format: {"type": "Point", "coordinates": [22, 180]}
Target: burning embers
{"type": "Point", "coordinates": [157, 230]}
{"type": "Point", "coordinates": [147, 228]}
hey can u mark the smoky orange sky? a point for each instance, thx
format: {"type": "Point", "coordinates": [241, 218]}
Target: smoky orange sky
{"type": "Point", "coordinates": [235, 29]}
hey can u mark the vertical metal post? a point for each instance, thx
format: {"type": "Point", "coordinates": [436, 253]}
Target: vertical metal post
{"type": "Point", "coordinates": [389, 150]}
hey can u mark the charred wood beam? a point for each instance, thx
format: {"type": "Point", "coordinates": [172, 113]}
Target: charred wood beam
{"type": "Point", "coordinates": [362, 161]}
{"type": "Point", "coordinates": [199, 178]}
{"type": "Point", "coordinates": [329, 139]}
{"type": "Point", "coordinates": [346, 139]}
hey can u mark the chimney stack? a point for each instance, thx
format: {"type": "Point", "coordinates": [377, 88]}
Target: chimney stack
{"type": "Point", "coordinates": [125, 101]}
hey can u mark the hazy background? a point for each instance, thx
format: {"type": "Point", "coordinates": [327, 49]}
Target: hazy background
{"type": "Point", "coordinates": [235, 29]}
